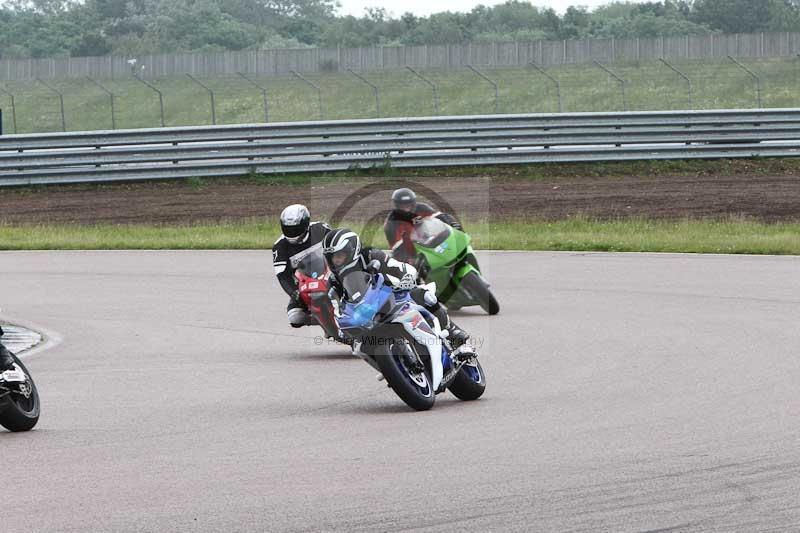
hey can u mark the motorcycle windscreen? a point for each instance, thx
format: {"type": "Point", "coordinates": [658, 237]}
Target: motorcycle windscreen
{"type": "Point", "coordinates": [364, 300]}
{"type": "Point", "coordinates": [310, 262]}
{"type": "Point", "coordinates": [430, 232]}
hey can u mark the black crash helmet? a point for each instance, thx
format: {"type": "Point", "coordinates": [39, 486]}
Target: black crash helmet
{"type": "Point", "coordinates": [404, 200]}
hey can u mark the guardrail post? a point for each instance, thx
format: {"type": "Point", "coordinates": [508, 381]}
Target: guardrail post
{"type": "Point", "coordinates": [557, 83]}
{"type": "Point", "coordinates": [374, 90]}
{"type": "Point", "coordinates": [60, 100]}
{"type": "Point", "coordinates": [618, 79]}
{"type": "Point", "coordinates": [496, 88]}
{"type": "Point", "coordinates": [755, 77]}
{"type": "Point", "coordinates": [682, 75]}
{"type": "Point", "coordinates": [211, 94]}
{"type": "Point", "coordinates": [263, 93]}
{"type": "Point", "coordinates": [13, 108]}
{"type": "Point", "coordinates": [315, 87]}
{"type": "Point", "coordinates": [432, 85]}
{"type": "Point", "coordinates": [160, 97]}
{"type": "Point", "coordinates": [111, 97]}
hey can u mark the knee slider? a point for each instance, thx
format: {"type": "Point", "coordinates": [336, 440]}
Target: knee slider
{"type": "Point", "coordinates": [297, 317]}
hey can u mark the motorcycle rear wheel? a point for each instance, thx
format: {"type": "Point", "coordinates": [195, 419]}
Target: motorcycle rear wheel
{"type": "Point", "coordinates": [470, 382]}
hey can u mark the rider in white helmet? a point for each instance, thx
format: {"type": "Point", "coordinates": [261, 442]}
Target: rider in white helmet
{"type": "Point", "coordinates": [298, 234]}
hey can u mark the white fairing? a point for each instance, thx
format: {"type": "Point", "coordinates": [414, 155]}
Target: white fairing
{"type": "Point", "coordinates": [412, 320]}
{"type": "Point", "coordinates": [15, 375]}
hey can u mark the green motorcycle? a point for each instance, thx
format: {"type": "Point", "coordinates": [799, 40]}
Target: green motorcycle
{"type": "Point", "coordinates": [445, 256]}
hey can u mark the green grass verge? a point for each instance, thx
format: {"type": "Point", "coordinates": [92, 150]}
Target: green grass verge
{"type": "Point", "coordinates": [729, 237]}
{"type": "Point", "coordinates": [649, 86]}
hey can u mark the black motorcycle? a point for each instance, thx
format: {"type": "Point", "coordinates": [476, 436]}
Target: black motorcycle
{"type": "Point", "coordinates": [19, 399]}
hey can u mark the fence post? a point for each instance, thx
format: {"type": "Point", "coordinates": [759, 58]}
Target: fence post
{"type": "Point", "coordinates": [618, 79]}
{"type": "Point", "coordinates": [682, 75]}
{"type": "Point", "coordinates": [13, 109]}
{"type": "Point", "coordinates": [432, 86]}
{"type": "Point", "coordinates": [160, 97]}
{"type": "Point", "coordinates": [375, 90]}
{"type": "Point", "coordinates": [263, 93]}
{"type": "Point", "coordinates": [496, 88]}
{"type": "Point", "coordinates": [315, 87]}
{"type": "Point", "coordinates": [60, 100]}
{"type": "Point", "coordinates": [211, 94]}
{"type": "Point", "coordinates": [755, 77]}
{"type": "Point", "coordinates": [111, 97]}
{"type": "Point", "coordinates": [544, 73]}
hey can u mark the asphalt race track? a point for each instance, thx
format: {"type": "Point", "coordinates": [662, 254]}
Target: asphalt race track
{"type": "Point", "coordinates": [626, 393]}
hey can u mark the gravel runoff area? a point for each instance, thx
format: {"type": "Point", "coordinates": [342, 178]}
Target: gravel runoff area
{"type": "Point", "coordinates": [768, 198]}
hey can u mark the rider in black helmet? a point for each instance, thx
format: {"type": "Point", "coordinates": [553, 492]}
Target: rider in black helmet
{"type": "Point", "coordinates": [344, 254]}
{"type": "Point", "coordinates": [298, 234]}
{"type": "Point", "coordinates": [399, 222]}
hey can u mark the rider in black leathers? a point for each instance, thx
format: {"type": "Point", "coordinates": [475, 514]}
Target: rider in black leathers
{"type": "Point", "coordinates": [344, 254]}
{"type": "Point", "coordinates": [298, 234]}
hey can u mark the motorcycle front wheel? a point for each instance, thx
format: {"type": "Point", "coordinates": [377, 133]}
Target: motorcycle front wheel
{"type": "Point", "coordinates": [19, 408]}
{"type": "Point", "coordinates": [410, 384]}
{"type": "Point", "coordinates": [475, 285]}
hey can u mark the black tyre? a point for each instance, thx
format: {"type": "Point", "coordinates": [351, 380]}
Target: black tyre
{"type": "Point", "coordinates": [414, 388]}
{"type": "Point", "coordinates": [475, 285]}
{"type": "Point", "coordinates": [470, 382]}
{"type": "Point", "coordinates": [18, 413]}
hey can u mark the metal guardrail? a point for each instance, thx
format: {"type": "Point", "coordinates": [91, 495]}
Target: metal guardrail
{"type": "Point", "coordinates": [325, 146]}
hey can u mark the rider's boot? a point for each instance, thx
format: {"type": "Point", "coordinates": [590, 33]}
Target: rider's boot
{"type": "Point", "coordinates": [457, 337]}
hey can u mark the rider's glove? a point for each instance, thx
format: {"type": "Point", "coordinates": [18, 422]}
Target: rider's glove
{"type": "Point", "coordinates": [374, 266]}
{"type": "Point", "coordinates": [407, 282]}
{"type": "Point", "coordinates": [333, 294]}
{"type": "Point", "coordinates": [430, 298]}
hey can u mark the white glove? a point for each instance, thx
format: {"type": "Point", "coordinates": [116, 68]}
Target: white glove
{"type": "Point", "coordinates": [430, 297]}
{"type": "Point", "coordinates": [374, 266]}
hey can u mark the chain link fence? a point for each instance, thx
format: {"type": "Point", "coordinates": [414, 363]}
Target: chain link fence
{"type": "Point", "coordinates": [89, 103]}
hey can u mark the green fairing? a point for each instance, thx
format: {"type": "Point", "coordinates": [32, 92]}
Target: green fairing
{"type": "Point", "coordinates": [447, 270]}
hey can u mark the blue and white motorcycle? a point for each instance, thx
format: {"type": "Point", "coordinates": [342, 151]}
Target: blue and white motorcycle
{"type": "Point", "coordinates": [404, 342]}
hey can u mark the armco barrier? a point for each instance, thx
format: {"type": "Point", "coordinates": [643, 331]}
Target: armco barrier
{"type": "Point", "coordinates": [324, 146]}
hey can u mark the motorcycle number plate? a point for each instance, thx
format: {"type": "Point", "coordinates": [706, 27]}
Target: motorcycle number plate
{"type": "Point", "coordinates": [313, 285]}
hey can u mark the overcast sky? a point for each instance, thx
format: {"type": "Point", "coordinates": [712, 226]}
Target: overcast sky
{"type": "Point", "coordinates": [426, 7]}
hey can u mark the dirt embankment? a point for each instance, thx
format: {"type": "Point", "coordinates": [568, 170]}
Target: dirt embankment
{"type": "Point", "coordinates": [765, 198]}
